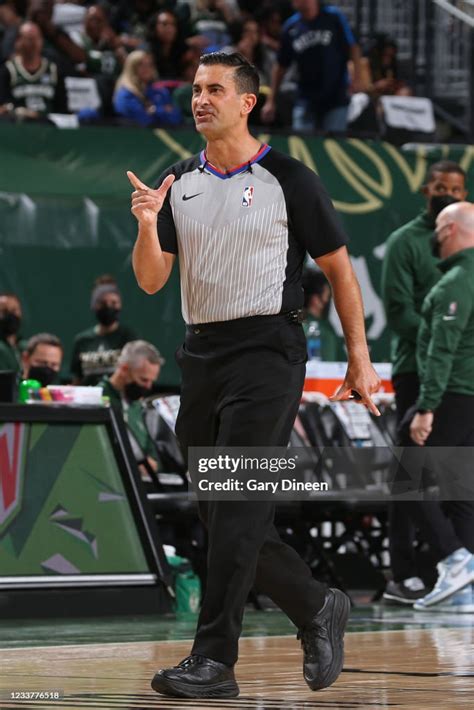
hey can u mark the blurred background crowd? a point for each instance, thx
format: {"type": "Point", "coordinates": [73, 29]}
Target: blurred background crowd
{"type": "Point", "coordinates": [133, 61]}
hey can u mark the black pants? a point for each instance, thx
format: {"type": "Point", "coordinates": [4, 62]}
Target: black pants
{"type": "Point", "coordinates": [402, 531]}
{"type": "Point", "coordinates": [449, 525]}
{"type": "Point", "coordinates": [241, 386]}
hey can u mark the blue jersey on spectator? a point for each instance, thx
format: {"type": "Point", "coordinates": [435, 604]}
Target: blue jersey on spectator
{"type": "Point", "coordinates": [320, 48]}
{"type": "Point", "coordinates": [163, 112]}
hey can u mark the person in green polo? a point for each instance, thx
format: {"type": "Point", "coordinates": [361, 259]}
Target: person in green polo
{"type": "Point", "coordinates": [443, 415]}
{"type": "Point", "coordinates": [408, 272]}
{"type": "Point", "coordinates": [138, 367]}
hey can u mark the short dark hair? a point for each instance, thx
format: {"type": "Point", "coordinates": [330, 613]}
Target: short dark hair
{"type": "Point", "coordinates": [246, 76]}
{"type": "Point", "coordinates": [43, 339]}
{"type": "Point", "coordinates": [314, 283]}
{"type": "Point", "coordinates": [444, 166]}
{"type": "Point", "coordinates": [104, 279]}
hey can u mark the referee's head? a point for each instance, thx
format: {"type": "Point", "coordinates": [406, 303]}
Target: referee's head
{"type": "Point", "coordinates": [225, 90]}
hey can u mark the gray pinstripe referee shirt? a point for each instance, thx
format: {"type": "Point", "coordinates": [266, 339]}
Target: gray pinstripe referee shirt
{"type": "Point", "coordinates": [242, 236]}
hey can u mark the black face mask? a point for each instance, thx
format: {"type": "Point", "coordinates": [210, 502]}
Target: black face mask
{"type": "Point", "coordinates": [106, 315]}
{"type": "Point", "coordinates": [438, 203]}
{"type": "Point", "coordinates": [9, 324]}
{"type": "Point", "coordinates": [134, 391]}
{"type": "Point", "coordinates": [44, 374]}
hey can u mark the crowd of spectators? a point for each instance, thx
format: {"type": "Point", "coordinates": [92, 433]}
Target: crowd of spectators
{"type": "Point", "coordinates": [133, 61]}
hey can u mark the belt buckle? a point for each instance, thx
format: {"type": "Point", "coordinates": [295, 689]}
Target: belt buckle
{"type": "Point", "coordinates": [296, 316]}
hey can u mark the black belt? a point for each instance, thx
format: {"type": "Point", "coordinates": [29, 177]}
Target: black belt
{"type": "Point", "coordinates": [295, 316]}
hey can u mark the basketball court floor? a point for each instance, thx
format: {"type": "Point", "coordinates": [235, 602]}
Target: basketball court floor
{"type": "Point", "coordinates": [395, 658]}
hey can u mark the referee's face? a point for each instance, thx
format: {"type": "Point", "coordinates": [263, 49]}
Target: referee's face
{"type": "Point", "coordinates": [217, 106]}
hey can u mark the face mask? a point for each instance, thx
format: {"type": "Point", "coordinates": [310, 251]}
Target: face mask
{"type": "Point", "coordinates": [44, 374]}
{"type": "Point", "coordinates": [106, 315]}
{"type": "Point", "coordinates": [134, 391]}
{"type": "Point", "coordinates": [435, 246]}
{"type": "Point", "coordinates": [438, 203]}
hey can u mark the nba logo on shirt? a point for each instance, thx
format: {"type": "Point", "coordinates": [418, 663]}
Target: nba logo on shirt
{"type": "Point", "coordinates": [247, 197]}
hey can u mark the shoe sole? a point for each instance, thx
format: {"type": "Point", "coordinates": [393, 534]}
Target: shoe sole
{"type": "Point", "coordinates": [460, 609]}
{"type": "Point", "coordinates": [399, 600]}
{"type": "Point", "coordinates": [165, 686]}
{"type": "Point", "coordinates": [339, 617]}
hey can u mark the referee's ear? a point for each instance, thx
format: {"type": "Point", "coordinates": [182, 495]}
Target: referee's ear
{"type": "Point", "coordinates": [249, 101]}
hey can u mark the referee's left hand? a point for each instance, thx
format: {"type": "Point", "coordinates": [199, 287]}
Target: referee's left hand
{"type": "Point", "coordinates": [362, 380]}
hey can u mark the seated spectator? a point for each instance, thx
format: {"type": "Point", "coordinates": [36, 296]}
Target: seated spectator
{"type": "Point", "coordinates": [10, 322]}
{"type": "Point", "coordinates": [246, 39]}
{"type": "Point", "coordinates": [42, 359]}
{"type": "Point", "coordinates": [168, 46]}
{"type": "Point", "coordinates": [96, 350]}
{"type": "Point", "coordinates": [58, 45]}
{"type": "Point", "coordinates": [270, 21]}
{"type": "Point", "coordinates": [137, 368]}
{"type": "Point", "coordinates": [105, 54]}
{"type": "Point", "coordinates": [137, 97]}
{"type": "Point", "coordinates": [30, 86]}
{"type": "Point", "coordinates": [383, 68]}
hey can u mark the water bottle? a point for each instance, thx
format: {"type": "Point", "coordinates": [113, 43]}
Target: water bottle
{"type": "Point", "coordinates": [313, 341]}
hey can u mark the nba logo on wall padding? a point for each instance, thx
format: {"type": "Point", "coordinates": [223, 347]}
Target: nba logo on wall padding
{"type": "Point", "coordinates": [247, 197]}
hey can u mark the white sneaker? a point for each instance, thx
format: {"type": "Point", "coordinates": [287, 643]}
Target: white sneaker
{"type": "Point", "coordinates": [461, 602]}
{"type": "Point", "coordinates": [455, 572]}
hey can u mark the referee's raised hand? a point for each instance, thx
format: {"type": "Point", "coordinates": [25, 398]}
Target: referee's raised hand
{"type": "Point", "coordinates": [146, 202]}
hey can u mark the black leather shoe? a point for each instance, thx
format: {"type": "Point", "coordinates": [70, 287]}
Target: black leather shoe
{"type": "Point", "coordinates": [197, 677]}
{"type": "Point", "coordinates": [323, 641]}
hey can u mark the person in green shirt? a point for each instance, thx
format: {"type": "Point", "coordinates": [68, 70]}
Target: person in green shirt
{"type": "Point", "coordinates": [96, 350]}
{"type": "Point", "coordinates": [443, 415]}
{"type": "Point", "coordinates": [408, 272]}
{"type": "Point", "coordinates": [138, 367]}
{"type": "Point", "coordinates": [10, 322]}
{"type": "Point", "coordinates": [317, 301]}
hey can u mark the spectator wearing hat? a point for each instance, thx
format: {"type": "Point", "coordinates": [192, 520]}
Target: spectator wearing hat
{"type": "Point", "coordinates": [97, 349]}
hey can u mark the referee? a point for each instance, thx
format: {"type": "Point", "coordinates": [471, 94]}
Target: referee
{"type": "Point", "coordinates": [241, 217]}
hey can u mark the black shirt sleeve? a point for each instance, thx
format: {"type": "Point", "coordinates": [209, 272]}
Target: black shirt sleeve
{"type": "Point", "coordinates": [166, 225]}
{"type": "Point", "coordinates": [312, 218]}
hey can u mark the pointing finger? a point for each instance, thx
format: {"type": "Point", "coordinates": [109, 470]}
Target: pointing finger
{"type": "Point", "coordinates": [367, 401]}
{"type": "Point", "coordinates": [136, 182]}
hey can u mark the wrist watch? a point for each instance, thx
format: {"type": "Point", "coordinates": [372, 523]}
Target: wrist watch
{"type": "Point", "coordinates": [424, 411]}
